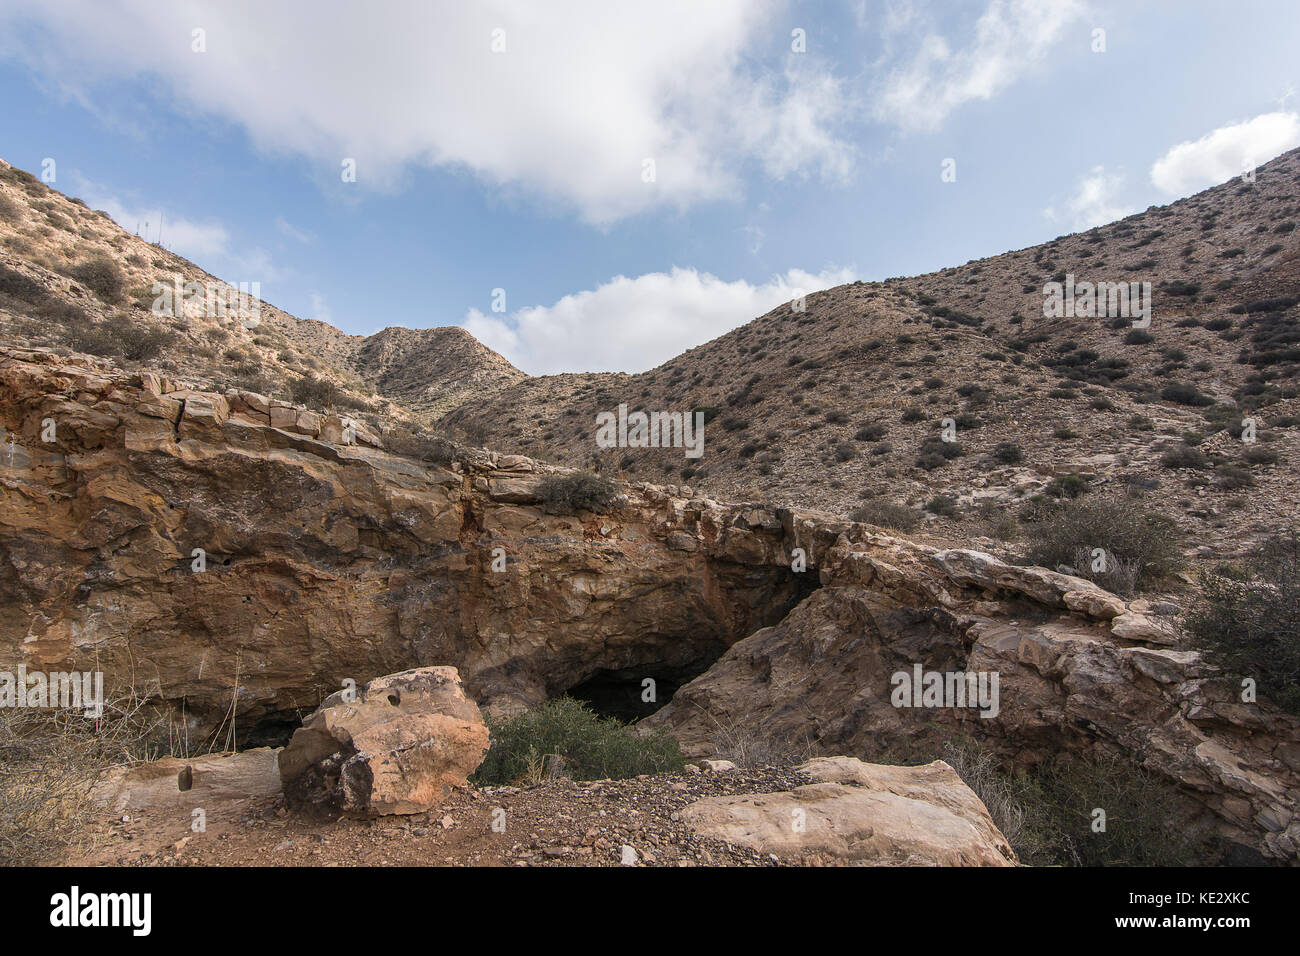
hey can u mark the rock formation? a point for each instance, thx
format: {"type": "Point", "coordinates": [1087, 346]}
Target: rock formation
{"type": "Point", "coordinates": [861, 813]}
{"type": "Point", "coordinates": [393, 746]}
{"type": "Point", "coordinates": [230, 556]}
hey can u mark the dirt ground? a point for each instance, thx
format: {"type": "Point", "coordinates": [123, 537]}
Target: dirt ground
{"type": "Point", "coordinates": [558, 823]}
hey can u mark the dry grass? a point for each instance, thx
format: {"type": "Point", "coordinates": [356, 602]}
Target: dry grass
{"type": "Point", "coordinates": [49, 760]}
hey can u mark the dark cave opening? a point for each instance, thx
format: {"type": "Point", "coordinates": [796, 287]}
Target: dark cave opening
{"type": "Point", "coordinates": [629, 694]}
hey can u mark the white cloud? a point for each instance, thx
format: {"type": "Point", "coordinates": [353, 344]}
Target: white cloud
{"type": "Point", "coordinates": [320, 310]}
{"type": "Point", "coordinates": [1011, 36]}
{"type": "Point", "coordinates": [630, 325]}
{"type": "Point", "coordinates": [1093, 203]}
{"type": "Point", "coordinates": [584, 92]}
{"type": "Point", "coordinates": [207, 244]}
{"type": "Point", "coordinates": [1226, 152]}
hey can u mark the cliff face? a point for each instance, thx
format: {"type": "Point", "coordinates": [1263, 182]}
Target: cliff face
{"type": "Point", "coordinates": [326, 558]}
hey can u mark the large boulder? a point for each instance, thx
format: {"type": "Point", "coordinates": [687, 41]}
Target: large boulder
{"type": "Point", "coordinates": [868, 814]}
{"type": "Point", "coordinates": [395, 745]}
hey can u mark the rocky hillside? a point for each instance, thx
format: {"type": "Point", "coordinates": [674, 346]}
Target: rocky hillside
{"type": "Point", "coordinates": [838, 407]}
{"type": "Point", "coordinates": [231, 560]}
{"type": "Point", "coordinates": [71, 278]}
{"type": "Point", "coordinates": [841, 405]}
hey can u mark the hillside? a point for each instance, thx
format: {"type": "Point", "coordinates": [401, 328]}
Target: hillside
{"type": "Point", "coordinates": [838, 407]}
{"type": "Point", "coordinates": [71, 278]}
{"type": "Point", "coordinates": [831, 407]}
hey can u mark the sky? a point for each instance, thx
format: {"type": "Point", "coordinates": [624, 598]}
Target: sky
{"type": "Point", "coordinates": [599, 185]}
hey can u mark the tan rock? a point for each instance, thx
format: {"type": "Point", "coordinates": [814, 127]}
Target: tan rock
{"type": "Point", "coordinates": [397, 748]}
{"type": "Point", "coordinates": [861, 813]}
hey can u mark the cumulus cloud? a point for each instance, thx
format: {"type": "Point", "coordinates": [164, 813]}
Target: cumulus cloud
{"type": "Point", "coordinates": [1093, 203]}
{"type": "Point", "coordinates": [1011, 36]}
{"type": "Point", "coordinates": [634, 324]}
{"type": "Point", "coordinates": [193, 240]}
{"type": "Point", "coordinates": [207, 243]}
{"type": "Point", "coordinates": [1226, 152]}
{"type": "Point", "coordinates": [583, 92]}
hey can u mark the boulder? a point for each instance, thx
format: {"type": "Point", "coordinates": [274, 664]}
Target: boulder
{"type": "Point", "coordinates": [396, 748]}
{"type": "Point", "coordinates": [855, 812]}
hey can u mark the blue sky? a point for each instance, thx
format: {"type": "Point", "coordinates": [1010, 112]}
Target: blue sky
{"type": "Point", "coordinates": [522, 169]}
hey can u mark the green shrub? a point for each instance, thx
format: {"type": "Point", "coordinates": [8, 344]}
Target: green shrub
{"type": "Point", "coordinates": [1069, 486]}
{"type": "Point", "coordinates": [1248, 619]}
{"type": "Point", "coordinates": [102, 276]}
{"type": "Point", "coordinates": [945, 505]}
{"type": "Point", "coordinates": [118, 335]}
{"type": "Point", "coordinates": [577, 491]}
{"type": "Point", "coordinates": [1007, 452]}
{"type": "Point", "coordinates": [1129, 532]}
{"type": "Point", "coordinates": [564, 738]}
{"type": "Point", "coordinates": [1184, 456]}
{"type": "Point", "coordinates": [887, 514]}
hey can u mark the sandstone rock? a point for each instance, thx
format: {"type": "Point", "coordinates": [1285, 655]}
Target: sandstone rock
{"type": "Point", "coordinates": [717, 766]}
{"type": "Point", "coordinates": [1132, 626]}
{"type": "Point", "coordinates": [861, 813]}
{"type": "Point", "coordinates": [396, 748]}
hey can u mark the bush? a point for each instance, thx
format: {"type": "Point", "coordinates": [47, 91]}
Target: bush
{"type": "Point", "coordinates": [1007, 452]}
{"type": "Point", "coordinates": [845, 452]}
{"type": "Point", "coordinates": [577, 491]}
{"type": "Point", "coordinates": [887, 514]}
{"type": "Point", "coordinates": [1247, 620]}
{"type": "Point", "coordinates": [1184, 456]}
{"type": "Point", "coordinates": [102, 276]}
{"type": "Point", "coordinates": [118, 335]}
{"type": "Point", "coordinates": [1046, 814]}
{"type": "Point", "coordinates": [1069, 486]}
{"type": "Point", "coordinates": [312, 391]}
{"type": "Point", "coordinates": [1122, 527]}
{"type": "Point", "coordinates": [944, 505]}
{"type": "Point", "coordinates": [563, 738]}
{"type": "Point", "coordinates": [1185, 395]}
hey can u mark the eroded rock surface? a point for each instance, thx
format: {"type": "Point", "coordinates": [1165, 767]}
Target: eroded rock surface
{"type": "Point", "coordinates": [396, 745]}
{"type": "Point", "coordinates": [861, 813]}
{"type": "Point", "coordinates": [326, 558]}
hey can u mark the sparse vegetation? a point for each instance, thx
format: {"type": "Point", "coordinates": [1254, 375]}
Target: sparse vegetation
{"type": "Point", "coordinates": [577, 491]}
{"type": "Point", "coordinates": [1123, 527]}
{"type": "Point", "coordinates": [563, 738]}
{"type": "Point", "coordinates": [1248, 619]}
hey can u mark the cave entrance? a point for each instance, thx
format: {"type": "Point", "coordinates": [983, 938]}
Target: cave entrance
{"type": "Point", "coordinates": [629, 694]}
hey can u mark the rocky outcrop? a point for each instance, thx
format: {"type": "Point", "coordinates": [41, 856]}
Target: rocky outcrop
{"type": "Point", "coordinates": [1072, 678]}
{"type": "Point", "coordinates": [218, 553]}
{"type": "Point", "coordinates": [221, 558]}
{"type": "Point", "coordinates": [861, 813]}
{"type": "Point", "coordinates": [396, 745]}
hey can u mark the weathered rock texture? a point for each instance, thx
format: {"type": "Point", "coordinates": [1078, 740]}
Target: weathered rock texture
{"type": "Point", "coordinates": [327, 561]}
{"type": "Point", "coordinates": [191, 782]}
{"type": "Point", "coordinates": [1069, 680]}
{"type": "Point", "coordinates": [396, 745]}
{"type": "Point", "coordinates": [861, 813]}
{"type": "Point", "coordinates": [329, 558]}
